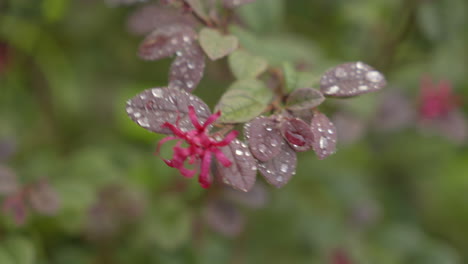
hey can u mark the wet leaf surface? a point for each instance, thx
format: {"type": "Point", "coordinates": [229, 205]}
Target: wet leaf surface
{"type": "Point", "coordinates": [279, 170]}
{"type": "Point", "coordinates": [188, 68]}
{"type": "Point", "coordinates": [217, 45]}
{"type": "Point", "coordinates": [264, 138]}
{"type": "Point", "coordinates": [153, 107]}
{"type": "Point", "coordinates": [325, 136]}
{"type": "Point", "coordinates": [297, 134]}
{"type": "Point", "coordinates": [304, 98]}
{"type": "Point", "coordinates": [351, 79]}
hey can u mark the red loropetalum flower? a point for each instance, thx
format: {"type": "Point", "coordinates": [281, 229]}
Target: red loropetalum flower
{"type": "Point", "coordinates": [436, 101]}
{"type": "Point", "coordinates": [201, 147]}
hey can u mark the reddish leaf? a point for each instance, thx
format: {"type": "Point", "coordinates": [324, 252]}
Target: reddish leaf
{"type": "Point", "coordinates": [279, 170]}
{"type": "Point", "coordinates": [351, 79]}
{"type": "Point", "coordinates": [242, 173]}
{"type": "Point", "coordinates": [153, 107]}
{"type": "Point", "coordinates": [324, 136]}
{"type": "Point", "coordinates": [224, 217]}
{"type": "Point", "coordinates": [166, 41]}
{"type": "Point", "coordinates": [298, 134]}
{"type": "Point", "coordinates": [236, 3]}
{"type": "Point", "coordinates": [255, 198]}
{"type": "Point", "coordinates": [43, 198]}
{"type": "Point", "coordinates": [304, 98]}
{"type": "Point", "coordinates": [264, 138]}
{"type": "Point", "coordinates": [187, 69]}
{"type": "Point", "coordinates": [149, 17]}
{"type": "Point", "coordinates": [8, 181]}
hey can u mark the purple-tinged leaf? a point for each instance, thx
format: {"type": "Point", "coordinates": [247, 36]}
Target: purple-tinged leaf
{"type": "Point", "coordinates": [349, 127]}
{"type": "Point", "coordinates": [150, 17]}
{"type": "Point", "coordinates": [264, 138]}
{"type": "Point", "coordinates": [304, 98]}
{"type": "Point", "coordinates": [236, 3]}
{"type": "Point", "coordinates": [279, 170]}
{"type": "Point", "coordinates": [351, 79]}
{"type": "Point", "coordinates": [15, 206]}
{"type": "Point", "coordinates": [7, 148]}
{"type": "Point", "coordinates": [255, 198]}
{"type": "Point", "coordinates": [187, 69]}
{"type": "Point", "coordinates": [224, 217]}
{"type": "Point", "coordinates": [298, 134]}
{"type": "Point", "coordinates": [324, 136]}
{"type": "Point", "coordinates": [43, 198]}
{"type": "Point", "coordinates": [395, 112]}
{"type": "Point", "coordinates": [164, 42]}
{"type": "Point", "coordinates": [8, 181]}
{"type": "Point", "coordinates": [242, 173]}
{"type": "Point", "coordinates": [153, 107]}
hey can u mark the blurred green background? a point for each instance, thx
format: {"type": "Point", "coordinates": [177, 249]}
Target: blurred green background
{"type": "Point", "coordinates": [387, 196]}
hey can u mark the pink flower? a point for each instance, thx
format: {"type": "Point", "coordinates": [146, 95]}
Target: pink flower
{"type": "Point", "coordinates": [437, 101]}
{"type": "Point", "coordinates": [201, 147]}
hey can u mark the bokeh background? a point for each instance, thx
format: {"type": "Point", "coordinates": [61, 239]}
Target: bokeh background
{"type": "Point", "coordinates": [395, 191]}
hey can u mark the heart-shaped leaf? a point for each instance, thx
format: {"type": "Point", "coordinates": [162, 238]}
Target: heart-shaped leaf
{"type": "Point", "coordinates": [298, 134]}
{"type": "Point", "coordinates": [215, 44]}
{"type": "Point", "coordinates": [198, 8]}
{"type": "Point", "coordinates": [304, 98]}
{"type": "Point", "coordinates": [242, 173]}
{"type": "Point", "coordinates": [244, 100]}
{"type": "Point", "coordinates": [150, 17]}
{"type": "Point", "coordinates": [264, 138]}
{"type": "Point", "coordinates": [236, 3]}
{"type": "Point", "coordinates": [279, 170]}
{"type": "Point", "coordinates": [153, 107]}
{"type": "Point", "coordinates": [351, 79]}
{"type": "Point", "coordinates": [187, 69]}
{"type": "Point", "coordinates": [324, 136]}
{"type": "Point", "coordinates": [166, 41]}
{"type": "Point", "coordinates": [246, 66]}
{"type": "Point", "coordinates": [224, 217]}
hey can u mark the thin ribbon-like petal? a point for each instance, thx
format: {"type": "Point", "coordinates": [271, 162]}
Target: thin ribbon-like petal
{"type": "Point", "coordinates": [229, 137]}
{"type": "Point", "coordinates": [221, 157]}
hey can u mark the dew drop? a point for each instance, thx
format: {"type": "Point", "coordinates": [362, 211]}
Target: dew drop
{"type": "Point", "coordinates": [363, 87]}
{"type": "Point", "coordinates": [262, 148]}
{"type": "Point", "coordinates": [158, 93]}
{"type": "Point", "coordinates": [360, 65]}
{"type": "Point", "coordinates": [274, 143]}
{"type": "Point", "coordinates": [333, 89]}
{"type": "Point", "coordinates": [323, 143]}
{"type": "Point", "coordinates": [279, 179]}
{"type": "Point", "coordinates": [340, 73]}
{"type": "Point", "coordinates": [143, 122]}
{"type": "Point", "coordinates": [239, 152]}
{"type": "Point", "coordinates": [269, 129]}
{"type": "Point", "coordinates": [143, 96]}
{"type": "Point", "coordinates": [137, 114]}
{"type": "Point", "coordinates": [374, 76]}
{"type": "Point", "coordinates": [284, 168]}
{"type": "Point", "coordinates": [129, 110]}
{"type": "Point", "coordinates": [330, 131]}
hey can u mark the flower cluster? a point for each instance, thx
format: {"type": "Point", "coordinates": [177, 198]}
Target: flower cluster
{"type": "Point", "coordinates": [436, 100]}
{"type": "Point", "coordinates": [201, 147]}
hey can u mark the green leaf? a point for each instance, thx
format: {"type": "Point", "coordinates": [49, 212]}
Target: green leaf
{"type": "Point", "coordinates": [217, 45]}
{"type": "Point", "coordinates": [198, 8]}
{"type": "Point", "coordinates": [296, 80]}
{"type": "Point", "coordinates": [244, 100]}
{"type": "Point", "coordinates": [21, 250]}
{"type": "Point", "coordinates": [245, 65]}
{"type": "Point", "coordinates": [304, 98]}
